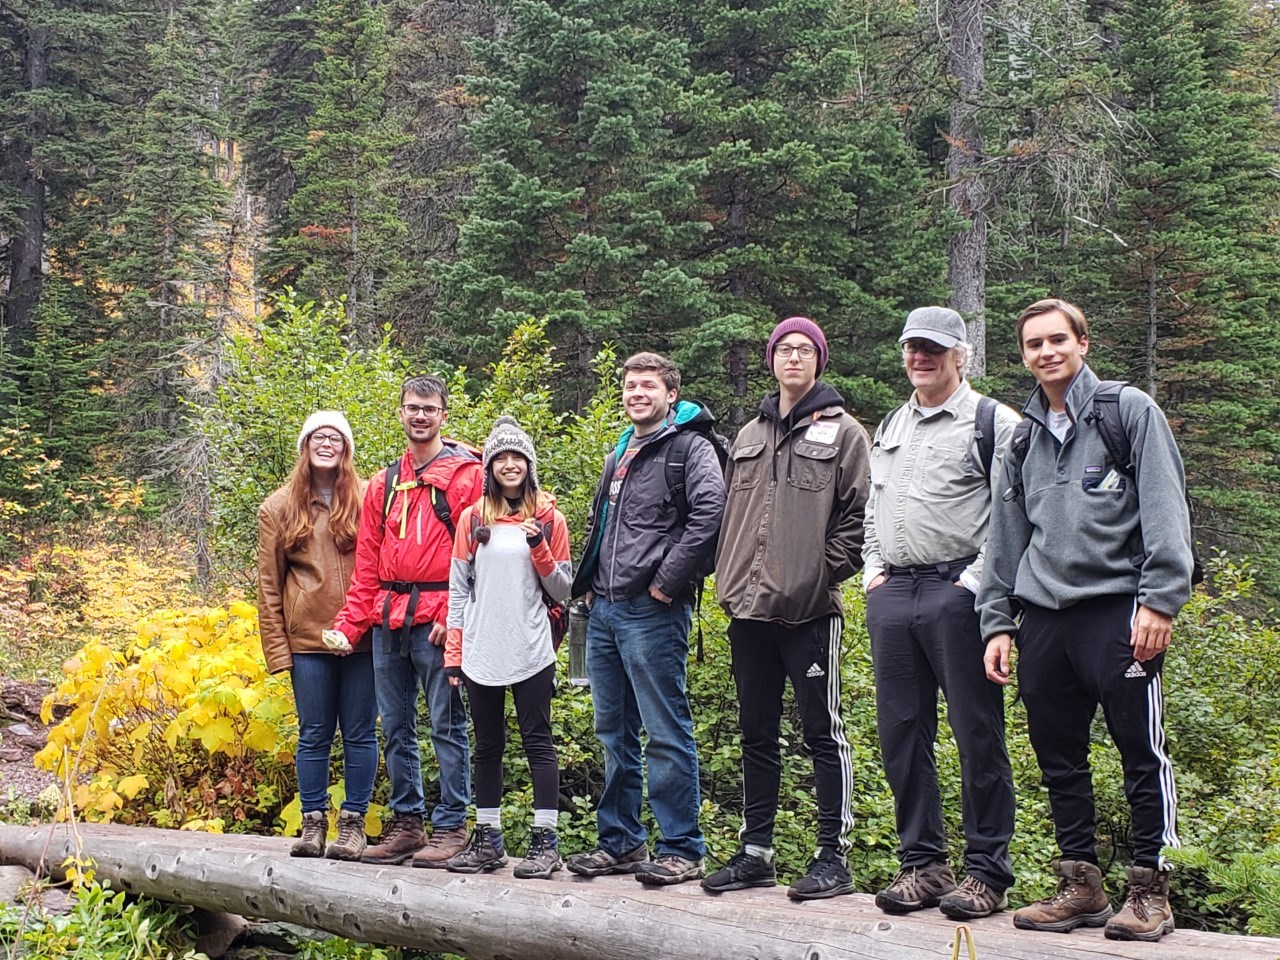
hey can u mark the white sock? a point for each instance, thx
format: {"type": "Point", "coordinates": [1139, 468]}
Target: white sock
{"type": "Point", "coordinates": [764, 853]}
{"type": "Point", "coordinates": [546, 818]}
{"type": "Point", "coordinates": [491, 816]}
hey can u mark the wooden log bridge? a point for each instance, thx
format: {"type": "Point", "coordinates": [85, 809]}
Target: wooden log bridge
{"type": "Point", "coordinates": [496, 917]}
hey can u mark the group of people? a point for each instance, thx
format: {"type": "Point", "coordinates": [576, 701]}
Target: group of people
{"type": "Point", "coordinates": [974, 530]}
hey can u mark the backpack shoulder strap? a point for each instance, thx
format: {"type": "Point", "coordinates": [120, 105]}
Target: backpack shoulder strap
{"type": "Point", "coordinates": [984, 433]}
{"type": "Point", "coordinates": [389, 491]}
{"type": "Point", "coordinates": [888, 419]}
{"type": "Point", "coordinates": [440, 504]}
{"type": "Point", "coordinates": [676, 469]}
{"type": "Point", "coordinates": [1018, 454]}
{"type": "Point", "coordinates": [1106, 414]}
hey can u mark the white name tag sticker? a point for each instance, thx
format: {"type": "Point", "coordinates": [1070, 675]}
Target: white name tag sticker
{"type": "Point", "coordinates": [824, 432]}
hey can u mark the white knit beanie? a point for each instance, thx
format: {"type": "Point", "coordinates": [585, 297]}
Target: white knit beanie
{"type": "Point", "coordinates": [506, 435]}
{"type": "Point", "coordinates": [327, 418]}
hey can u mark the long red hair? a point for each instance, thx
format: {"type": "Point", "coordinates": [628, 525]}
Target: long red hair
{"type": "Point", "coordinates": [297, 517]}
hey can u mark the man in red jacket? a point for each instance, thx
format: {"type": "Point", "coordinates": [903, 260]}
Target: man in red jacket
{"type": "Point", "coordinates": [400, 587]}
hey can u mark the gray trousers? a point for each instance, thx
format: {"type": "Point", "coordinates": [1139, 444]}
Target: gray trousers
{"type": "Point", "coordinates": [925, 638]}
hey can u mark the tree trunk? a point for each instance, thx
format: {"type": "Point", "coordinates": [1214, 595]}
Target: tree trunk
{"type": "Point", "coordinates": [26, 255]}
{"type": "Point", "coordinates": [491, 916]}
{"type": "Point", "coordinates": [967, 196]}
{"type": "Point", "coordinates": [1150, 359]}
{"type": "Point", "coordinates": [737, 360]}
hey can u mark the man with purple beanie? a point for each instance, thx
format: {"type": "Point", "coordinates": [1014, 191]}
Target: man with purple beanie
{"type": "Point", "coordinates": [796, 490]}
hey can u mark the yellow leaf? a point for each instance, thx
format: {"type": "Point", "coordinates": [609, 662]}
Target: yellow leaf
{"type": "Point", "coordinates": [260, 737]}
{"type": "Point", "coordinates": [130, 786]}
{"type": "Point", "coordinates": [217, 733]}
{"type": "Point", "coordinates": [292, 817]}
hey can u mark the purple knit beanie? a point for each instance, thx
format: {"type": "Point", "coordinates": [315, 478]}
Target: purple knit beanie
{"type": "Point", "coordinates": [798, 325]}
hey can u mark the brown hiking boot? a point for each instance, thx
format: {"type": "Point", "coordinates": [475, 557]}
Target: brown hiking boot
{"type": "Point", "coordinates": [315, 827]}
{"type": "Point", "coordinates": [351, 840]}
{"type": "Point", "coordinates": [400, 841]}
{"type": "Point", "coordinates": [1079, 901]}
{"type": "Point", "coordinates": [443, 846]}
{"type": "Point", "coordinates": [1146, 914]}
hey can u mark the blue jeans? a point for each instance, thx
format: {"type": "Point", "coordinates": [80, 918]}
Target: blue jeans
{"type": "Point", "coordinates": [637, 654]}
{"type": "Point", "coordinates": [397, 680]}
{"type": "Point", "coordinates": [335, 693]}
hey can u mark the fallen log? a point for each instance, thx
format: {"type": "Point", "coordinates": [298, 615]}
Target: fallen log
{"type": "Point", "coordinates": [495, 917]}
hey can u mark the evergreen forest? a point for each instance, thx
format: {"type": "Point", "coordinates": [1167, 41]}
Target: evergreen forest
{"type": "Point", "coordinates": [219, 215]}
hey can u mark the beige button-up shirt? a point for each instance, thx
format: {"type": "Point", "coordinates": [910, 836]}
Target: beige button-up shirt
{"type": "Point", "coordinates": [930, 501]}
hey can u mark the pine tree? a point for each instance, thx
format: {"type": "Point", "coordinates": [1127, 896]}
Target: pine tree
{"type": "Point", "coordinates": [1193, 300]}
{"type": "Point", "coordinates": [344, 223]}
{"type": "Point", "coordinates": [677, 177]}
{"type": "Point", "coordinates": [157, 255]}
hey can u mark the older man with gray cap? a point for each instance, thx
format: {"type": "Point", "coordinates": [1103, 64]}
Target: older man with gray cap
{"type": "Point", "coordinates": [926, 526]}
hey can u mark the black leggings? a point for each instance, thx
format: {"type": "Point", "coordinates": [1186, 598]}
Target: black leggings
{"type": "Point", "coordinates": [533, 713]}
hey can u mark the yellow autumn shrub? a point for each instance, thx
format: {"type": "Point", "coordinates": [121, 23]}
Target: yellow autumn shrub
{"type": "Point", "coordinates": [181, 727]}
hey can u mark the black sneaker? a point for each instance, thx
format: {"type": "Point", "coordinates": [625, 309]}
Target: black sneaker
{"type": "Point", "coordinates": [485, 852]}
{"type": "Point", "coordinates": [742, 871]}
{"type": "Point", "coordinates": [600, 861]}
{"type": "Point", "coordinates": [827, 876]}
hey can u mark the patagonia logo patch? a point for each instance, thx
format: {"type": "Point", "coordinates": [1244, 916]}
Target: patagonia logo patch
{"type": "Point", "coordinates": [1097, 469]}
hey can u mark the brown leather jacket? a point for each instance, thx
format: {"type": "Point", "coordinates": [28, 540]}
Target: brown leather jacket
{"type": "Point", "coordinates": [302, 590]}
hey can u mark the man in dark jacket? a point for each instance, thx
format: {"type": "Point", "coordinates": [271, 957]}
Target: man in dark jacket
{"type": "Point", "coordinates": [797, 491]}
{"type": "Point", "coordinates": [637, 574]}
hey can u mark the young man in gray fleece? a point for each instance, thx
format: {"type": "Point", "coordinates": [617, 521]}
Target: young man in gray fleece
{"type": "Point", "coordinates": [1097, 556]}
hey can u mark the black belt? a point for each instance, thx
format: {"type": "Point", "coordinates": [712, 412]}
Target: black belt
{"type": "Point", "coordinates": [414, 590]}
{"type": "Point", "coordinates": [941, 569]}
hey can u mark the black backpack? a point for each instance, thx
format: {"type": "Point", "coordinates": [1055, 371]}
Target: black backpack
{"type": "Point", "coordinates": [984, 432]}
{"type": "Point", "coordinates": [1106, 414]}
{"type": "Point", "coordinates": [676, 469]}
{"type": "Point", "coordinates": [677, 465]}
{"type": "Point", "coordinates": [439, 503]}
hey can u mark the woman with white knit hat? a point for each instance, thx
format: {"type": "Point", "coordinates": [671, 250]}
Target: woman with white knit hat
{"type": "Point", "coordinates": [306, 554]}
{"type": "Point", "coordinates": [511, 552]}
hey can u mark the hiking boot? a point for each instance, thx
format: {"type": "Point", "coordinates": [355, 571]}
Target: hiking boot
{"type": "Point", "coordinates": [743, 870]}
{"type": "Point", "coordinates": [542, 858]}
{"type": "Point", "coordinates": [485, 852]}
{"type": "Point", "coordinates": [315, 826]}
{"type": "Point", "coordinates": [1079, 901]}
{"type": "Point", "coordinates": [915, 888]}
{"type": "Point", "coordinates": [402, 838]}
{"type": "Point", "coordinates": [600, 861]}
{"type": "Point", "coordinates": [669, 868]}
{"type": "Point", "coordinates": [442, 847]}
{"type": "Point", "coordinates": [828, 876]}
{"type": "Point", "coordinates": [351, 839]}
{"type": "Point", "coordinates": [1146, 914]}
{"type": "Point", "coordinates": [972, 900]}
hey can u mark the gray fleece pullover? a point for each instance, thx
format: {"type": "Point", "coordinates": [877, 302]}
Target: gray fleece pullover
{"type": "Point", "coordinates": [1077, 532]}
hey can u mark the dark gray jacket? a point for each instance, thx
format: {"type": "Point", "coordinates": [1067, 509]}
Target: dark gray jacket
{"type": "Point", "coordinates": [1059, 536]}
{"type": "Point", "coordinates": [644, 542]}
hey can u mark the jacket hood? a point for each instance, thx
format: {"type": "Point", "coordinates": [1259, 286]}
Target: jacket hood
{"type": "Point", "coordinates": [820, 397]}
{"type": "Point", "coordinates": [440, 471]}
{"type": "Point", "coordinates": [684, 415]}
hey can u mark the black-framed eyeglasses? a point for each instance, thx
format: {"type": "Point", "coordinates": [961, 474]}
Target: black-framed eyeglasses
{"type": "Point", "coordinates": [806, 350]}
{"type": "Point", "coordinates": [426, 409]}
{"type": "Point", "coordinates": [924, 346]}
{"type": "Point", "coordinates": [335, 440]}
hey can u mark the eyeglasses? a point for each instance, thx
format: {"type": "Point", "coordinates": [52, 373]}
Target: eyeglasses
{"type": "Point", "coordinates": [335, 440]}
{"type": "Point", "coordinates": [427, 410]}
{"type": "Point", "coordinates": [806, 350]}
{"type": "Point", "coordinates": [924, 346]}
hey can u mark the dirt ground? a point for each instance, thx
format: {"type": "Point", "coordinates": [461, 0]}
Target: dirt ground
{"type": "Point", "coordinates": [21, 735]}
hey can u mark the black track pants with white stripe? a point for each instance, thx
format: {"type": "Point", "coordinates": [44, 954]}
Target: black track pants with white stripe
{"type": "Point", "coordinates": [765, 655]}
{"type": "Point", "coordinates": [1069, 662]}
